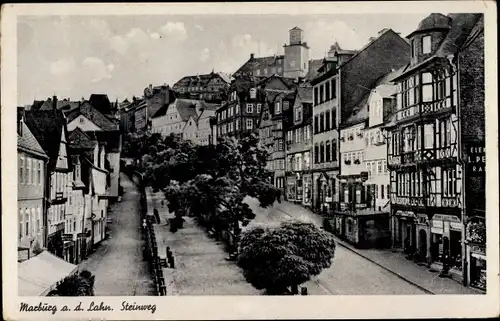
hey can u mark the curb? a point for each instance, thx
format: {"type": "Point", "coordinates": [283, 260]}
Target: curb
{"type": "Point", "coordinates": [385, 268]}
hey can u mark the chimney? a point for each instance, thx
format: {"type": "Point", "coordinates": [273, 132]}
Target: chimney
{"type": "Point", "coordinates": [252, 56]}
{"type": "Point", "coordinates": [54, 102]}
{"type": "Point", "coordinates": [20, 121]}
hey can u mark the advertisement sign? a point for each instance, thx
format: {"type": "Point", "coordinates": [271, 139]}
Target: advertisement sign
{"type": "Point", "coordinates": [476, 159]}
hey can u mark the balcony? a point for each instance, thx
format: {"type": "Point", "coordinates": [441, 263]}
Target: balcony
{"type": "Point", "coordinates": [423, 156]}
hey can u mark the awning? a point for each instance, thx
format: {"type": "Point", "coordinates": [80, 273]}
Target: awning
{"type": "Point", "coordinates": [38, 275]}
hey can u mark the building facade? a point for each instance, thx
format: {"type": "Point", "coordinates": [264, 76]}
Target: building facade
{"type": "Point", "coordinates": [50, 130]}
{"type": "Point", "coordinates": [32, 165]}
{"type": "Point", "coordinates": [296, 55]}
{"type": "Point", "coordinates": [298, 132]}
{"type": "Point", "coordinates": [439, 120]}
{"type": "Point", "coordinates": [210, 87]}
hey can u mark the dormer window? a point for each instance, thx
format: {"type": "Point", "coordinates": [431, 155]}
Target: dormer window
{"type": "Point", "coordinates": [426, 44]}
{"type": "Point", "coordinates": [413, 54]}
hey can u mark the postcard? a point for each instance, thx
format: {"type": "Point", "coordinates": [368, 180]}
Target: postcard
{"type": "Point", "coordinates": [250, 160]}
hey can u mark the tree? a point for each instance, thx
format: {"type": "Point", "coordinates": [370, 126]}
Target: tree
{"type": "Point", "coordinates": [277, 258]}
{"type": "Point", "coordinates": [216, 180]}
{"type": "Point", "coordinates": [81, 284]}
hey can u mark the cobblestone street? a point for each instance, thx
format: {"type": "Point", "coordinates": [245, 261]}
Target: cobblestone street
{"type": "Point", "coordinates": [117, 263]}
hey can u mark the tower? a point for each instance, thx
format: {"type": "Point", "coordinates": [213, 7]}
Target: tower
{"type": "Point", "coordinates": [296, 55]}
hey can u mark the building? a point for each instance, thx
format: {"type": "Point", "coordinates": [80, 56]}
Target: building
{"type": "Point", "coordinates": [141, 115]}
{"type": "Point", "coordinates": [32, 165]}
{"type": "Point", "coordinates": [198, 129]}
{"type": "Point", "coordinates": [436, 142]}
{"type": "Point", "coordinates": [296, 55]}
{"type": "Point", "coordinates": [299, 142]}
{"type": "Point", "coordinates": [341, 84]}
{"type": "Point", "coordinates": [50, 130]}
{"type": "Point", "coordinates": [294, 63]}
{"type": "Point", "coordinates": [76, 218]}
{"type": "Point", "coordinates": [210, 87]}
{"type": "Point", "coordinates": [279, 96]}
{"type": "Point", "coordinates": [90, 120]}
{"type": "Point", "coordinates": [240, 114]}
{"type": "Point", "coordinates": [90, 187]}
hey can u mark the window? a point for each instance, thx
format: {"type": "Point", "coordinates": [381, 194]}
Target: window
{"type": "Point", "coordinates": [237, 124]}
{"type": "Point", "coordinates": [253, 93]}
{"type": "Point", "coordinates": [298, 114]}
{"type": "Point", "coordinates": [327, 120]}
{"type": "Point", "coordinates": [316, 124]}
{"type": "Point", "coordinates": [322, 122]}
{"type": "Point", "coordinates": [307, 160]}
{"type": "Point", "coordinates": [426, 44]}
{"type": "Point", "coordinates": [280, 145]}
{"type": "Point", "coordinates": [379, 166]}
{"type": "Point", "coordinates": [413, 54]}
{"type": "Point", "coordinates": [82, 120]}
{"type": "Point", "coordinates": [322, 152]}
{"type": "Point", "coordinates": [449, 184]}
{"type": "Point", "coordinates": [307, 133]}
{"type": "Point", "coordinates": [38, 220]}
{"type": "Point", "coordinates": [257, 72]}
{"type": "Point", "coordinates": [316, 96]}
{"type": "Point", "coordinates": [428, 136]}
{"type": "Point", "coordinates": [299, 162]}
{"type": "Point", "coordinates": [259, 108]}
{"type": "Point", "coordinates": [328, 151]}
{"type": "Point", "coordinates": [327, 91]}
{"type": "Point", "coordinates": [334, 88]}
{"type": "Point", "coordinates": [249, 123]}
{"type": "Point", "coordinates": [280, 69]}
{"type": "Point", "coordinates": [28, 169]}
{"type": "Point", "coordinates": [277, 108]}
{"type": "Point", "coordinates": [265, 71]}
{"type": "Point", "coordinates": [237, 109]}
{"type": "Point", "coordinates": [316, 153]}
{"type": "Point", "coordinates": [289, 135]}
{"type": "Point", "coordinates": [321, 93]}
{"type": "Point", "coordinates": [334, 150]}
{"type": "Point", "coordinates": [27, 221]}
{"type": "Point", "coordinates": [426, 87]}
{"type": "Point", "coordinates": [334, 119]}
{"type": "Point", "coordinates": [21, 170]}
{"type": "Point", "coordinates": [249, 108]}
{"type": "Point", "coordinates": [21, 223]}
{"type": "Point", "coordinates": [279, 125]}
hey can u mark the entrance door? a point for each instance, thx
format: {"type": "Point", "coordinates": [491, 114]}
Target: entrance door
{"type": "Point", "coordinates": [422, 246]}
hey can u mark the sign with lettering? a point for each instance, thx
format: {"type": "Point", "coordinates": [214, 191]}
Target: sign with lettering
{"type": "Point", "coordinates": [476, 159]}
{"type": "Point", "coordinates": [456, 226]}
{"type": "Point", "coordinates": [437, 224]}
{"type": "Point", "coordinates": [449, 218]}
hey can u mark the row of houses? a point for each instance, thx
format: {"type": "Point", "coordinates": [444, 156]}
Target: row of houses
{"type": "Point", "coordinates": [386, 141]}
{"type": "Point", "coordinates": [68, 162]}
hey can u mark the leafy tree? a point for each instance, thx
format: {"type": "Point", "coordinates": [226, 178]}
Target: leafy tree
{"type": "Point", "coordinates": [81, 284]}
{"type": "Point", "coordinates": [277, 258]}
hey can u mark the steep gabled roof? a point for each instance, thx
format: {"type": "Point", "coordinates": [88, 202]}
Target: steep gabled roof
{"type": "Point", "coordinates": [260, 61]}
{"type": "Point", "coordinates": [359, 113]}
{"type": "Point", "coordinates": [93, 114]}
{"type": "Point", "coordinates": [80, 140]}
{"type": "Point", "coordinates": [101, 102]}
{"type": "Point", "coordinates": [47, 126]}
{"type": "Point", "coordinates": [27, 142]}
{"type": "Point", "coordinates": [186, 108]}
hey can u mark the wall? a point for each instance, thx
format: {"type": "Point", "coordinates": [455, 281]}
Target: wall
{"type": "Point", "coordinates": [84, 124]}
{"type": "Point", "coordinates": [348, 148]}
{"type": "Point", "coordinates": [114, 161]}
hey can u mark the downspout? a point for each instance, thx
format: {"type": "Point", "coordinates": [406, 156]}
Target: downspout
{"type": "Point", "coordinates": [461, 161]}
{"type": "Point", "coordinates": [46, 193]}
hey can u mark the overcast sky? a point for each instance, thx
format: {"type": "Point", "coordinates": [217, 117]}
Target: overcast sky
{"type": "Point", "coordinates": [74, 56]}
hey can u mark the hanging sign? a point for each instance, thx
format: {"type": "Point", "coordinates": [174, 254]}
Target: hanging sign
{"type": "Point", "coordinates": [476, 159]}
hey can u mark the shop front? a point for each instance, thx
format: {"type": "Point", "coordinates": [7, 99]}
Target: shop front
{"type": "Point", "coordinates": [291, 190]}
{"type": "Point", "coordinates": [55, 243]}
{"type": "Point", "coordinates": [423, 239]}
{"type": "Point", "coordinates": [325, 185]}
{"type": "Point", "coordinates": [446, 243]}
{"type": "Point", "coordinates": [68, 248]}
{"type": "Point", "coordinates": [307, 186]}
{"type": "Point", "coordinates": [404, 235]}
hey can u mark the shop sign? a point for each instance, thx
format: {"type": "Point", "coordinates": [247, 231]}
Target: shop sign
{"type": "Point", "coordinates": [448, 218]}
{"type": "Point", "coordinates": [406, 213]}
{"type": "Point", "coordinates": [456, 226]}
{"type": "Point", "coordinates": [437, 224]}
{"type": "Point", "coordinates": [446, 228]}
{"type": "Point", "coordinates": [478, 249]}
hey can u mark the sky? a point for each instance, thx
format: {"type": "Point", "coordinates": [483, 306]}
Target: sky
{"type": "Point", "coordinates": [75, 56]}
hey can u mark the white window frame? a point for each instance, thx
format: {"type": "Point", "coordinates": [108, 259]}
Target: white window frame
{"type": "Point", "coordinates": [426, 45]}
{"type": "Point", "coordinates": [249, 124]}
{"type": "Point", "coordinates": [249, 108]}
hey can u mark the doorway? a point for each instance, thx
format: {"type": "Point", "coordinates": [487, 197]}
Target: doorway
{"type": "Point", "coordinates": [422, 245]}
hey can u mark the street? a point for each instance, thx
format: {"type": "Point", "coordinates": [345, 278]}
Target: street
{"type": "Point", "coordinates": [117, 264]}
{"type": "Point", "coordinates": [349, 273]}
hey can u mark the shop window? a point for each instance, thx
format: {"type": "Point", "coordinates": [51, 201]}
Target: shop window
{"type": "Point", "coordinates": [349, 226]}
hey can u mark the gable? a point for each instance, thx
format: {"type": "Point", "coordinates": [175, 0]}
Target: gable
{"type": "Point", "coordinates": [83, 123]}
{"type": "Point", "coordinates": [62, 157]}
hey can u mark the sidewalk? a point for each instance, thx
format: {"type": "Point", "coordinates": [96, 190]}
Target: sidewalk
{"type": "Point", "coordinates": [200, 265]}
{"type": "Point", "coordinates": [393, 262]}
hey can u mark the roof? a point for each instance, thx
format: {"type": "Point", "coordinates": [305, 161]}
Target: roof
{"type": "Point", "coordinates": [314, 65]}
{"type": "Point", "coordinates": [90, 112]}
{"type": "Point", "coordinates": [259, 61]}
{"type": "Point", "coordinates": [28, 142]}
{"type": "Point", "coordinates": [432, 22]}
{"type": "Point", "coordinates": [186, 108]}
{"type": "Point", "coordinates": [78, 139]}
{"type": "Point", "coordinates": [201, 80]}
{"type": "Point", "coordinates": [101, 102]}
{"type": "Point", "coordinates": [359, 113]}
{"type": "Point", "coordinates": [305, 94]}
{"type": "Point", "coordinates": [47, 127]}
{"type": "Point", "coordinates": [38, 275]}
{"type": "Point", "coordinates": [462, 25]}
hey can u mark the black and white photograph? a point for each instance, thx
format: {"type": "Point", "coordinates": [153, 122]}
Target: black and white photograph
{"type": "Point", "coordinates": [256, 154]}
